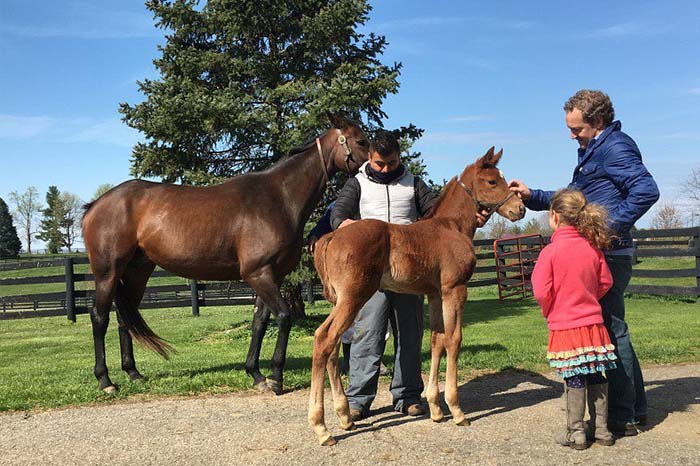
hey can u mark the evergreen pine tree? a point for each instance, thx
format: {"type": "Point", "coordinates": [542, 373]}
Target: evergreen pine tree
{"type": "Point", "coordinates": [52, 221]}
{"type": "Point", "coordinates": [10, 245]}
{"type": "Point", "coordinates": [243, 81]}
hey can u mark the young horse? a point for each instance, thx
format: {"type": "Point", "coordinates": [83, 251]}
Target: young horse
{"type": "Point", "coordinates": [249, 227]}
{"type": "Point", "coordinates": [434, 256]}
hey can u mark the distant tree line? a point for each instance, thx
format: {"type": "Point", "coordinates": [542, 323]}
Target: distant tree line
{"type": "Point", "coordinates": [57, 222]}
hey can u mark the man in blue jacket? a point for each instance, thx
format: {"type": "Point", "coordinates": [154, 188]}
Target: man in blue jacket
{"type": "Point", "coordinates": [610, 173]}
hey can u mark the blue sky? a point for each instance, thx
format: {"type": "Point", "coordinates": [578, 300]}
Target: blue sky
{"type": "Point", "coordinates": [475, 74]}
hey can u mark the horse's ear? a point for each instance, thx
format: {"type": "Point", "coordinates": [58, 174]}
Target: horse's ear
{"type": "Point", "coordinates": [337, 121]}
{"type": "Point", "coordinates": [486, 159]}
{"type": "Point", "coordinates": [496, 157]}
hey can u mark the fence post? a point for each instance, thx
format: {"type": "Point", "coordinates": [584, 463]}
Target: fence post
{"type": "Point", "coordinates": [696, 240]}
{"type": "Point", "coordinates": [195, 297]}
{"type": "Point", "coordinates": [70, 290]}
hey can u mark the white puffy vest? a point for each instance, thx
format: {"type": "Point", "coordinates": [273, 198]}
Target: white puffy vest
{"type": "Point", "coordinates": [394, 202]}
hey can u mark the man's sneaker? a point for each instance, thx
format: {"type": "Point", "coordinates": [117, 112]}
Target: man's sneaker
{"type": "Point", "coordinates": [356, 414]}
{"type": "Point", "coordinates": [641, 419]}
{"type": "Point", "coordinates": [627, 429]}
{"type": "Point", "coordinates": [415, 409]}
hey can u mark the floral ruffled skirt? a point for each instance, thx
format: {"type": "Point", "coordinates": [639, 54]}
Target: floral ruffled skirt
{"type": "Point", "coordinates": [581, 351]}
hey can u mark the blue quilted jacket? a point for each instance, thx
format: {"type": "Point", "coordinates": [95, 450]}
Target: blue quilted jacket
{"type": "Point", "coordinates": [610, 173]}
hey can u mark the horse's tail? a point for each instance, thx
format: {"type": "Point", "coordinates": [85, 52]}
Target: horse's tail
{"type": "Point", "coordinates": [322, 267]}
{"type": "Point", "coordinates": [138, 329]}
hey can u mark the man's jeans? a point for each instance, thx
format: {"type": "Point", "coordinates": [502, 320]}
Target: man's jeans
{"type": "Point", "coordinates": [405, 312]}
{"type": "Point", "coordinates": [625, 384]}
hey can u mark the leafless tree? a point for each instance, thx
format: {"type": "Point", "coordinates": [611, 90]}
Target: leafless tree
{"type": "Point", "coordinates": [692, 185]}
{"type": "Point", "coordinates": [72, 209]}
{"type": "Point", "coordinates": [667, 216]}
{"type": "Point", "coordinates": [26, 209]}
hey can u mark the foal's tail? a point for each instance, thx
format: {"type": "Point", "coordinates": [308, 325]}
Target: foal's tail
{"type": "Point", "coordinates": [322, 268]}
{"type": "Point", "coordinates": [138, 329]}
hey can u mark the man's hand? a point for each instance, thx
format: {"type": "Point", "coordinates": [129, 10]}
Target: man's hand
{"type": "Point", "coordinates": [521, 189]}
{"type": "Point", "coordinates": [311, 244]}
{"type": "Point", "coordinates": [481, 217]}
{"type": "Point", "coordinates": [346, 223]}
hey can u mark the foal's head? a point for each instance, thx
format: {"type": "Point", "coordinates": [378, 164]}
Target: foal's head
{"type": "Point", "coordinates": [491, 189]}
{"type": "Point", "coordinates": [352, 146]}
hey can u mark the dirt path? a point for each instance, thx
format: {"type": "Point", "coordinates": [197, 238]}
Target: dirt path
{"type": "Point", "coordinates": [514, 417]}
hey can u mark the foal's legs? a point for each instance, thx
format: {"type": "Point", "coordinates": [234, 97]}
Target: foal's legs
{"type": "Point", "coordinates": [325, 356]}
{"type": "Point", "coordinates": [437, 348]}
{"type": "Point", "coordinates": [133, 285]}
{"type": "Point", "coordinates": [265, 284]}
{"type": "Point", "coordinates": [261, 319]}
{"type": "Point", "coordinates": [452, 307]}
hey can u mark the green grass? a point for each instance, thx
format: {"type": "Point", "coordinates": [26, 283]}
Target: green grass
{"type": "Point", "coordinates": [47, 362]}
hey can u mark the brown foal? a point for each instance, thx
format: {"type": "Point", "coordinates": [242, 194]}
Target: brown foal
{"type": "Point", "coordinates": [434, 256]}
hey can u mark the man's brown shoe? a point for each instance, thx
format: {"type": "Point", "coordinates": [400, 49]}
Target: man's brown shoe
{"type": "Point", "coordinates": [415, 409]}
{"type": "Point", "coordinates": [356, 414]}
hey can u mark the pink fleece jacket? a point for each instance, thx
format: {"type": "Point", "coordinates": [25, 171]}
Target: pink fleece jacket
{"type": "Point", "coordinates": [569, 278]}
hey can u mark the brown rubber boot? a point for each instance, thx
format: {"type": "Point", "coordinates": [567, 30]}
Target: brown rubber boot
{"type": "Point", "coordinates": [574, 436]}
{"type": "Point", "coordinates": [598, 410]}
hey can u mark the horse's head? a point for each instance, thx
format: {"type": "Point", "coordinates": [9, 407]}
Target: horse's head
{"type": "Point", "coordinates": [491, 190]}
{"type": "Point", "coordinates": [351, 146]}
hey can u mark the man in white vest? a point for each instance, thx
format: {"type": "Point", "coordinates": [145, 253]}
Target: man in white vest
{"type": "Point", "coordinates": [385, 190]}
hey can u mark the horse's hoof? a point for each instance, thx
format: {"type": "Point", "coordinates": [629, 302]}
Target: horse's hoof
{"type": "Point", "coordinates": [464, 422]}
{"type": "Point", "coordinates": [274, 385]}
{"type": "Point", "coordinates": [439, 418]}
{"type": "Point", "coordinates": [262, 387]}
{"type": "Point", "coordinates": [110, 389]}
{"type": "Point", "coordinates": [350, 426]}
{"type": "Point", "coordinates": [329, 441]}
{"type": "Point", "coordinates": [136, 377]}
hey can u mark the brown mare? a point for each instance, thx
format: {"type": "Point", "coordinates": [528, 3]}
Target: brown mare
{"type": "Point", "coordinates": [434, 256]}
{"type": "Point", "coordinates": [249, 227]}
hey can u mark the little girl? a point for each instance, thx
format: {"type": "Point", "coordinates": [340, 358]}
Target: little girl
{"type": "Point", "coordinates": [569, 278]}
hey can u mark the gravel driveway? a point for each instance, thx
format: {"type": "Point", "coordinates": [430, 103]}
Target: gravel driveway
{"type": "Point", "coordinates": [514, 416]}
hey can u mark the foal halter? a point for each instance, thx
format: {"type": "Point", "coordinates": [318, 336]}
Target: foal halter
{"type": "Point", "coordinates": [490, 208]}
{"type": "Point", "coordinates": [343, 141]}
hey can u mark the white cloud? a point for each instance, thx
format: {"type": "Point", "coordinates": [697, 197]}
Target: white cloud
{"type": "Point", "coordinates": [445, 137]}
{"type": "Point", "coordinates": [85, 20]}
{"type": "Point", "coordinates": [67, 130]}
{"type": "Point", "coordinates": [695, 90]}
{"type": "Point", "coordinates": [21, 127]}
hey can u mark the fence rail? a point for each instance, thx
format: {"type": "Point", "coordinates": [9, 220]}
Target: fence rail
{"type": "Point", "coordinates": [684, 242]}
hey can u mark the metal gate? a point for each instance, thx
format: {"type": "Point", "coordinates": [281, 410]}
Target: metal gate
{"type": "Point", "coordinates": [515, 258]}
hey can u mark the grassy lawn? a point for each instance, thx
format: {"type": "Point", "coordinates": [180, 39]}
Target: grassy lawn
{"type": "Point", "coordinates": [47, 362]}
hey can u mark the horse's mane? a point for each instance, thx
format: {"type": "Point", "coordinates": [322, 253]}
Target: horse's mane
{"type": "Point", "coordinates": [439, 200]}
{"type": "Point", "coordinates": [302, 148]}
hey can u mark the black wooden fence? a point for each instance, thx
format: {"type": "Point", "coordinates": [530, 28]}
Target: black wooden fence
{"type": "Point", "coordinates": [675, 243]}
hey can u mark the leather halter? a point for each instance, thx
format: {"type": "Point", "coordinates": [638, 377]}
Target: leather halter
{"type": "Point", "coordinates": [343, 141]}
{"type": "Point", "coordinates": [490, 208]}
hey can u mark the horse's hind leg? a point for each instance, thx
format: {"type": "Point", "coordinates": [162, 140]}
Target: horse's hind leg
{"type": "Point", "coordinates": [134, 283]}
{"type": "Point", "coordinates": [99, 315]}
{"type": "Point", "coordinates": [452, 307]}
{"type": "Point", "coordinates": [437, 348]}
{"type": "Point", "coordinates": [261, 319]}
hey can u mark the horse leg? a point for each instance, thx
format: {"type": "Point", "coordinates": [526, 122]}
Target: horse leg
{"type": "Point", "coordinates": [325, 355]}
{"type": "Point", "coordinates": [99, 316]}
{"type": "Point", "coordinates": [261, 319]}
{"type": "Point", "coordinates": [264, 283]}
{"type": "Point", "coordinates": [452, 307]}
{"type": "Point", "coordinates": [134, 281]}
{"type": "Point", "coordinates": [437, 348]}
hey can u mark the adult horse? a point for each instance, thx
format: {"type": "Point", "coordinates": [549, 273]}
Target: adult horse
{"type": "Point", "coordinates": [249, 227]}
{"type": "Point", "coordinates": [434, 256]}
